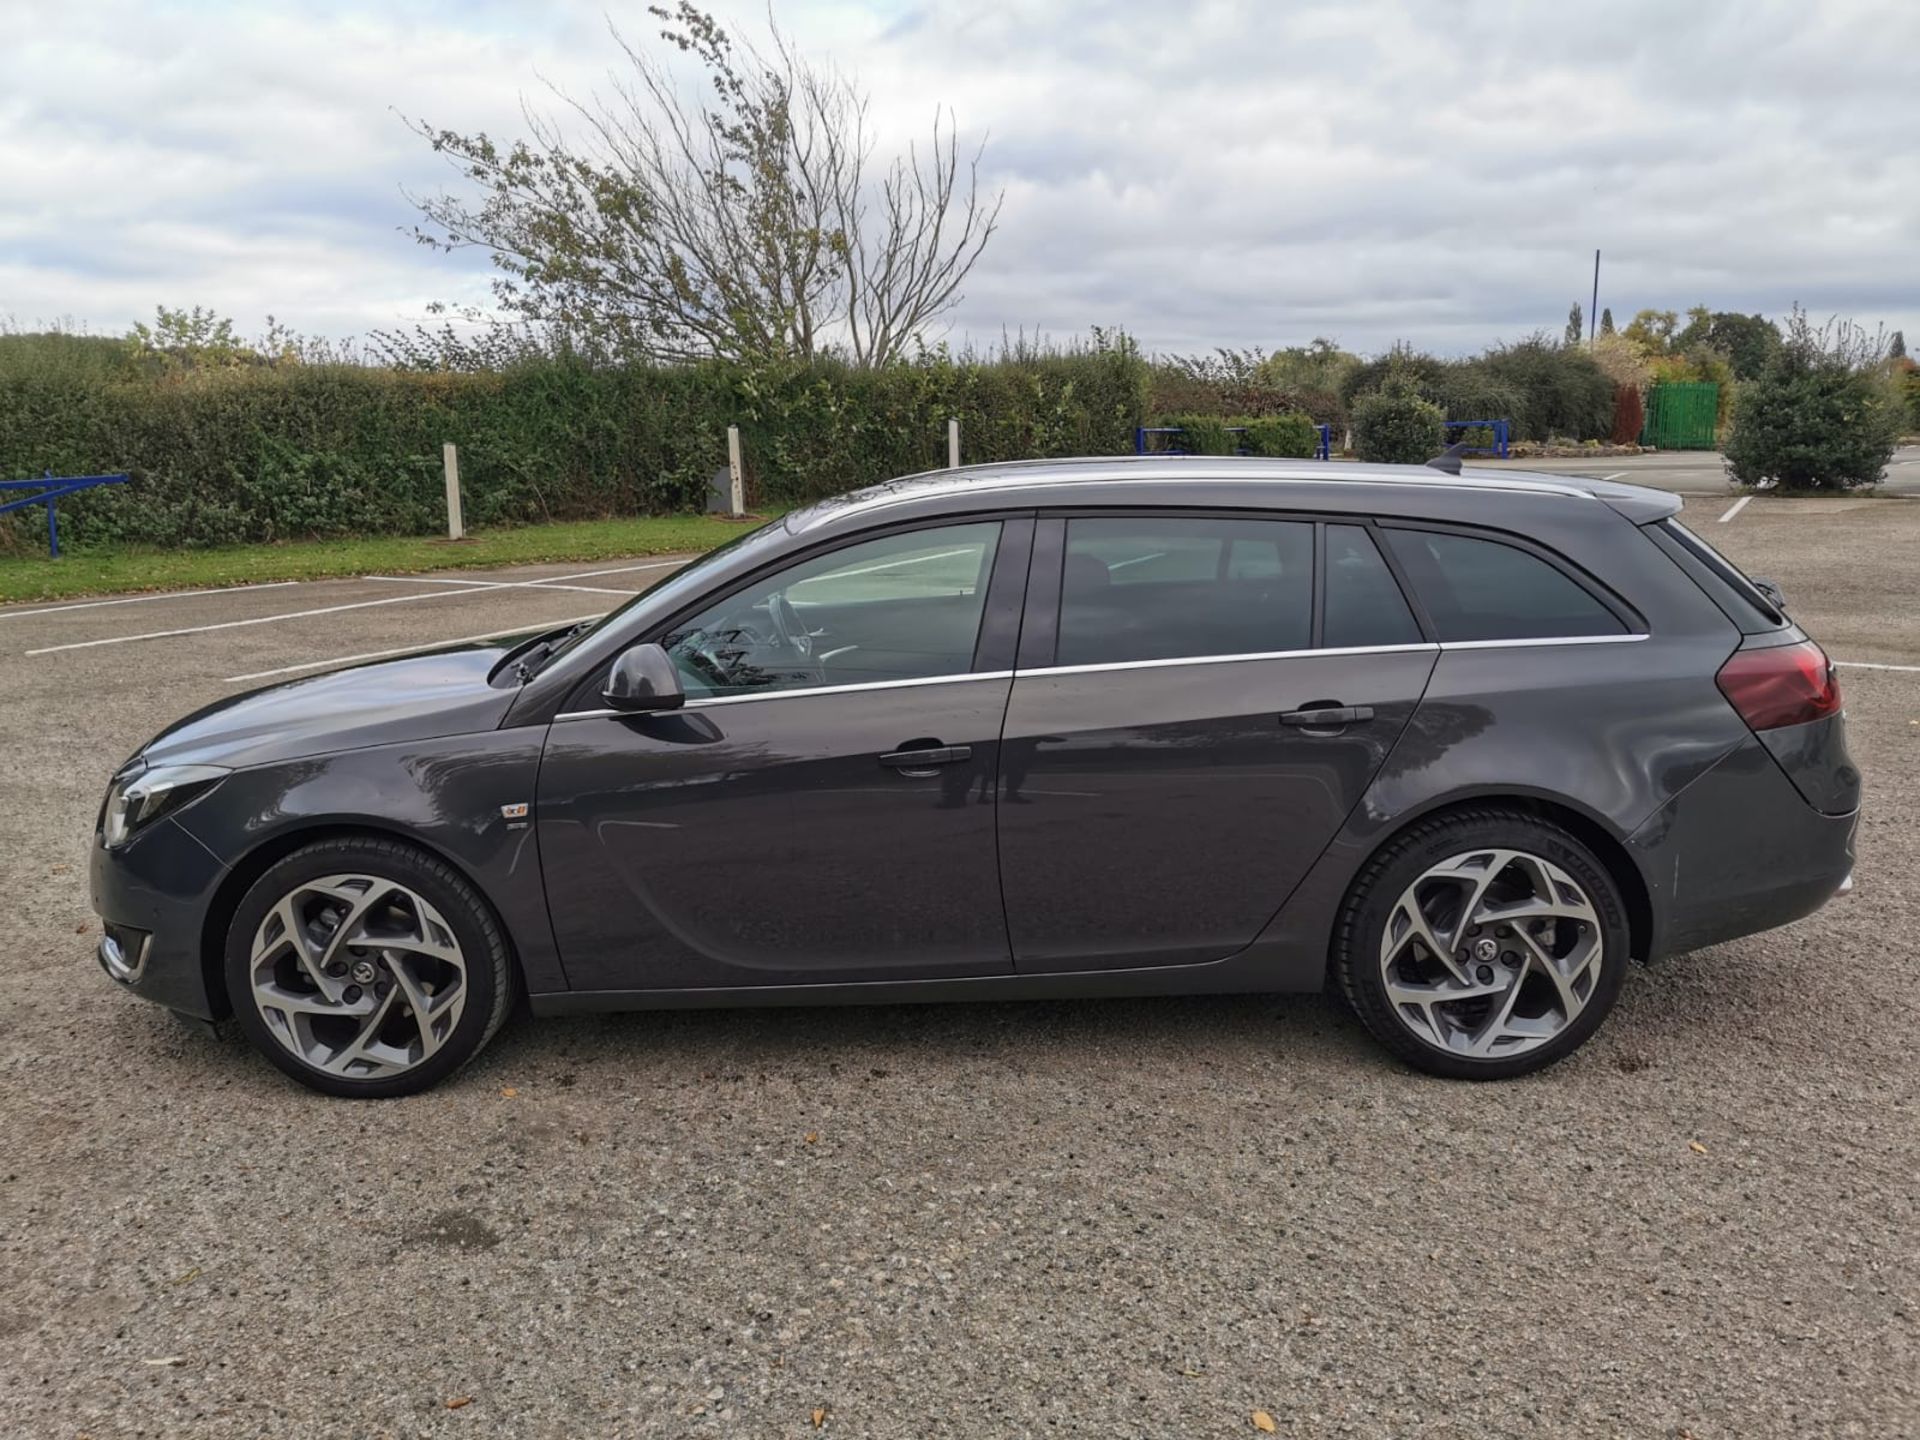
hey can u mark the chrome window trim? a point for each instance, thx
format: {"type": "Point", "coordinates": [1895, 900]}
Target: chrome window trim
{"type": "Point", "coordinates": [1423, 645]}
{"type": "Point", "coordinates": [1542, 640]}
{"type": "Point", "coordinates": [705, 702]}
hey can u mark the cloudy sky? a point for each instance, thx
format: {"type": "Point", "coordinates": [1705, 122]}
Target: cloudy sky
{"type": "Point", "coordinates": [1203, 174]}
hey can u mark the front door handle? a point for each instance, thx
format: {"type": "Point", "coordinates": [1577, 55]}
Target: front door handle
{"type": "Point", "coordinates": [926, 757]}
{"type": "Point", "coordinates": [1328, 717]}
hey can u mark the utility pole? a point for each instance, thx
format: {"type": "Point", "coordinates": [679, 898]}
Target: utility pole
{"type": "Point", "coordinates": [1593, 311]}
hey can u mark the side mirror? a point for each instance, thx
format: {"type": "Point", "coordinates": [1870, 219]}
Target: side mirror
{"type": "Point", "coordinates": [643, 679]}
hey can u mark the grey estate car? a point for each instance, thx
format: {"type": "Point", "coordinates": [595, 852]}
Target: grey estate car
{"type": "Point", "coordinates": [1460, 745]}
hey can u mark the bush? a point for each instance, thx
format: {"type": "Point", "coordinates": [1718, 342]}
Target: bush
{"type": "Point", "coordinates": [1814, 418]}
{"type": "Point", "coordinates": [270, 453]}
{"type": "Point", "coordinates": [1629, 415]}
{"type": "Point", "coordinates": [1395, 426]}
{"type": "Point", "coordinates": [1558, 389]}
{"type": "Point", "coordinates": [1285, 436]}
{"type": "Point", "coordinates": [1200, 435]}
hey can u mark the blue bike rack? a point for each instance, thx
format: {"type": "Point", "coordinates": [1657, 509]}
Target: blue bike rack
{"type": "Point", "coordinates": [1499, 429]}
{"type": "Point", "coordinates": [1140, 433]}
{"type": "Point", "coordinates": [56, 486]}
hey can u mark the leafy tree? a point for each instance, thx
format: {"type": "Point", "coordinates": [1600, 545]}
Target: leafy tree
{"type": "Point", "coordinates": [1897, 345]}
{"type": "Point", "coordinates": [1606, 321]}
{"type": "Point", "coordinates": [1576, 325]}
{"type": "Point", "coordinates": [1321, 365]}
{"type": "Point", "coordinates": [1748, 341]}
{"type": "Point", "coordinates": [1818, 416]}
{"type": "Point", "coordinates": [1653, 330]}
{"type": "Point", "coordinates": [746, 221]}
{"type": "Point", "coordinates": [1394, 425]}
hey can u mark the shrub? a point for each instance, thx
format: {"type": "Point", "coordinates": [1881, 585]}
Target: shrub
{"type": "Point", "coordinates": [1560, 389]}
{"type": "Point", "coordinates": [1395, 426]}
{"type": "Point", "coordinates": [1201, 435]}
{"type": "Point", "coordinates": [1289, 436]}
{"type": "Point", "coordinates": [1629, 415]}
{"type": "Point", "coordinates": [1814, 418]}
{"type": "Point", "coordinates": [269, 453]}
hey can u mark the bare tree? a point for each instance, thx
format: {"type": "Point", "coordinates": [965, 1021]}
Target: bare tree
{"type": "Point", "coordinates": [749, 221]}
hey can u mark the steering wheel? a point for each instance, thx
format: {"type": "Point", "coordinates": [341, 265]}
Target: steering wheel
{"type": "Point", "coordinates": [788, 625]}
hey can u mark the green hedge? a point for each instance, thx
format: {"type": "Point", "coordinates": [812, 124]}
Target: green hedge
{"type": "Point", "coordinates": [266, 454]}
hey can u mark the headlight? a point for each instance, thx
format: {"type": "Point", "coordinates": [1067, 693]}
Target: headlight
{"type": "Point", "coordinates": [138, 796]}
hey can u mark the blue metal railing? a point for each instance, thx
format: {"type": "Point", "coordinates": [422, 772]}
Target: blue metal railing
{"type": "Point", "coordinates": [1141, 432]}
{"type": "Point", "coordinates": [1498, 428]}
{"type": "Point", "coordinates": [55, 487]}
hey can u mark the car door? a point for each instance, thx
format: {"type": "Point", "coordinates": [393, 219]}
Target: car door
{"type": "Point", "coordinates": [1191, 721]}
{"type": "Point", "coordinates": [821, 808]}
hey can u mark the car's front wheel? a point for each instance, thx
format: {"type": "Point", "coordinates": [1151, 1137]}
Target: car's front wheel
{"type": "Point", "coordinates": [367, 968]}
{"type": "Point", "coordinates": [1482, 944]}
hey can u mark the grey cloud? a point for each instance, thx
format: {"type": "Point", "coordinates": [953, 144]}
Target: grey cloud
{"type": "Point", "coordinates": [1204, 174]}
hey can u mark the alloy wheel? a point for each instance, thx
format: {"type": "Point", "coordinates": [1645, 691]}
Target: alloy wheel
{"type": "Point", "coordinates": [1491, 953]}
{"type": "Point", "coordinates": [357, 976]}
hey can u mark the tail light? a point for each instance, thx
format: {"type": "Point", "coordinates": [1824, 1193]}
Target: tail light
{"type": "Point", "coordinates": [1780, 685]}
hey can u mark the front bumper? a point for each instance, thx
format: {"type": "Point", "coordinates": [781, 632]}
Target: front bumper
{"type": "Point", "coordinates": [153, 894]}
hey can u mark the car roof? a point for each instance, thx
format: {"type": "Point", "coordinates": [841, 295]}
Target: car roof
{"type": "Point", "coordinates": [1171, 480]}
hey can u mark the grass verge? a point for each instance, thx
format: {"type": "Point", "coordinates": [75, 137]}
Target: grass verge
{"type": "Point", "coordinates": [108, 572]}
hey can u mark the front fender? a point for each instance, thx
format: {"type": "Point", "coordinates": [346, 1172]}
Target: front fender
{"type": "Point", "coordinates": [444, 794]}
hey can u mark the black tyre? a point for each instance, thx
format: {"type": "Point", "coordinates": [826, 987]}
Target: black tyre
{"type": "Point", "coordinates": [1482, 944]}
{"type": "Point", "coordinates": [367, 968]}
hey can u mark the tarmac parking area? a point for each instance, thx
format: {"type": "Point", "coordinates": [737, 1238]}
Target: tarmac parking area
{"type": "Point", "coordinates": [1129, 1218]}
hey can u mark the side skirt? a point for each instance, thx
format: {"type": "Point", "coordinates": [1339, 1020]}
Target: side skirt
{"type": "Point", "coordinates": [1255, 970]}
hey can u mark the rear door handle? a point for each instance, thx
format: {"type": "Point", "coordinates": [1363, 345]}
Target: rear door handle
{"type": "Point", "coordinates": [1328, 717]}
{"type": "Point", "coordinates": [933, 755]}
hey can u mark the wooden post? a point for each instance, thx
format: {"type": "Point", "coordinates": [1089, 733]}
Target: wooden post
{"type": "Point", "coordinates": [450, 458]}
{"type": "Point", "coordinates": [953, 444]}
{"type": "Point", "coordinates": [738, 498]}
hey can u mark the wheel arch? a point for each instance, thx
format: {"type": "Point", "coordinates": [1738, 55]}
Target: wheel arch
{"type": "Point", "coordinates": [1589, 829]}
{"type": "Point", "coordinates": [241, 876]}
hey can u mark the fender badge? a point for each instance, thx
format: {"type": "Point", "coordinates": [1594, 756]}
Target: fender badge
{"type": "Point", "coordinates": [514, 812]}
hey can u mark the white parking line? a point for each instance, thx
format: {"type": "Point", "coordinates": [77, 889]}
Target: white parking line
{"type": "Point", "coordinates": [1873, 665]}
{"type": "Point", "coordinates": [1735, 508]}
{"type": "Point", "coordinates": [499, 584]}
{"type": "Point", "coordinates": [400, 650]}
{"type": "Point", "coordinates": [252, 620]}
{"type": "Point", "coordinates": [143, 599]}
{"type": "Point", "coordinates": [555, 582]}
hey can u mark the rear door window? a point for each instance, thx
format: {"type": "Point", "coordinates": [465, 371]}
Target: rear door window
{"type": "Point", "coordinates": [1481, 589]}
{"type": "Point", "coordinates": [1160, 588]}
{"type": "Point", "coordinates": [1364, 603]}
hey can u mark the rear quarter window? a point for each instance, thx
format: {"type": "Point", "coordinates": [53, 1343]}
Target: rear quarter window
{"type": "Point", "coordinates": [1719, 577]}
{"type": "Point", "coordinates": [1475, 588]}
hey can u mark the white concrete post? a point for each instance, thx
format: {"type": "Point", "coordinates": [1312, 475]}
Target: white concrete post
{"type": "Point", "coordinates": [953, 444]}
{"type": "Point", "coordinates": [450, 458]}
{"type": "Point", "coordinates": [738, 498]}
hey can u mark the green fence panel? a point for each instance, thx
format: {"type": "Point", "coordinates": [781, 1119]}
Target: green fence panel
{"type": "Point", "coordinates": [1681, 417]}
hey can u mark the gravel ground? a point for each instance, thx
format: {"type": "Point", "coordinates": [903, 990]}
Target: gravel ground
{"type": "Point", "coordinates": [1142, 1218]}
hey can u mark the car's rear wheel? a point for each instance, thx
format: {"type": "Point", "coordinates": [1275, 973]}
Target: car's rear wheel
{"type": "Point", "coordinates": [1482, 944]}
{"type": "Point", "coordinates": [367, 968]}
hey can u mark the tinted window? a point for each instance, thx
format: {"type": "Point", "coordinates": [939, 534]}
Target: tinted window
{"type": "Point", "coordinates": [1164, 589]}
{"type": "Point", "coordinates": [1364, 603]}
{"type": "Point", "coordinates": [1719, 577]}
{"type": "Point", "coordinates": [903, 607]}
{"type": "Point", "coordinates": [1484, 590]}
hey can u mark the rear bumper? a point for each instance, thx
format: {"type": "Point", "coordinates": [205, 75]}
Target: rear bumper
{"type": "Point", "coordinates": [153, 894]}
{"type": "Point", "coordinates": [1739, 851]}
